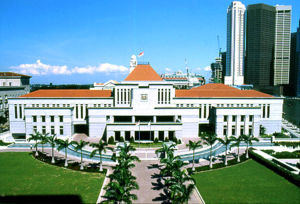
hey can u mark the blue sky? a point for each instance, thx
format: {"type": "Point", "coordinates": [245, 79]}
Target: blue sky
{"type": "Point", "coordinates": [87, 41]}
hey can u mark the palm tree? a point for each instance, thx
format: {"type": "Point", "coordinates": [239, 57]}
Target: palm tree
{"type": "Point", "coordinates": [226, 141]}
{"type": "Point", "coordinates": [79, 146]}
{"type": "Point", "coordinates": [52, 141]}
{"type": "Point", "coordinates": [35, 136]}
{"type": "Point", "coordinates": [248, 140]}
{"type": "Point", "coordinates": [237, 141]}
{"type": "Point", "coordinates": [100, 147]}
{"type": "Point", "coordinates": [210, 139]}
{"type": "Point", "coordinates": [64, 144]}
{"type": "Point", "coordinates": [43, 140]}
{"type": "Point", "coordinates": [193, 146]}
{"type": "Point", "coordinates": [165, 149]}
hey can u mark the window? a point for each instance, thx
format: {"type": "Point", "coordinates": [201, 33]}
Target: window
{"type": "Point", "coordinates": [158, 96]}
{"type": "Point", "coordinates": [61, 130]}
{"type": "Point", "coordinates": [250, 130]}
{"type": "Point", "coordinates": [177, 105]}
{"type": "Point", "coordinates": [107, 117]}
{"type": "Point", "coordinates": [225, 118]}
{"type": "Point", "coordinates": [47, 105]}
{"type": "Point", "coordinates": [268, 111]}
{"type": "Point", "coordinates": [251, 118]}
{"type": "Point", "coordinates": [233, 118]}
{"type": "Point", "coordinates": [104, 105]}
{"type": "Point", "coordinates": [10, 84]}
{"type": "Point", "coordinates": [242, 118]}
{"type": "Point", "coordinates": [43, 105]}
{"type": "Point", "coordinates": [192, 105]}
{"type": "Point", "coordinates": [233, 130]}
{"type": "Point", "coordinates": [187, 105]}
{"type": "Point", "coordinates": [109, 105]}
{"type": "Point", "coordinates": [76, 110]}
{"type": "Point", "coordinates": [33, 105]}
{"type": "Point", "coordinates": [44, 129]}
{"type": "Point", "coordinates": [61, 118]}
{"type": "Point", "coordinates": [52, 130]}
{"type": "Point", "coordinates": [52, 118]}
{"type": "Point", "coordinates": [81, 107]}
{"type": "Point", "coordinates": [34, 118]}
{"type": "Point", "coordinates": [34, 128]}
{"type": "Point", "coordinates": [95, 105]}
{"type": "Point", "coordinates": [264, 111]}
{"type": "Point", "coordinates": [16, 111]}
{"type": "Point", "coordinates": [181, 105]}
{"type": "Point", "coordinates": [225, 130]}
{"type": "Point", "coordinates": [242, 130]}
{"type": "Point", "coordinates": [43, 118]}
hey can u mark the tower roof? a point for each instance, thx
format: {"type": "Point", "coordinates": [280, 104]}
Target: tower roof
{"type": "Point", "coordinates": [143, 72]}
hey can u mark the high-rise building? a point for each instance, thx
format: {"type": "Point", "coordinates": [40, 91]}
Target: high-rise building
{"type": "Point", "coordinates": [217, 71]}
{"type": "Point", "coordinates": [282, 44]}
{"type": "Point", "coordinates": [294, 87]}
{"type": "Point", "coordinates": [235, 44]}
{"type": "Point", "coordinates": [260, 35]}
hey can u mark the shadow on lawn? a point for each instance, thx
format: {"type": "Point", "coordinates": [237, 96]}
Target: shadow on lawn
{"type": "Point", "coordinates": [41, 199]}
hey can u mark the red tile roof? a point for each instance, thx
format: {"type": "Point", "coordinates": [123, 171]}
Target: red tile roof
{"type": "Point", "coordinates": [13, 74]}
{"type": "Point", "coordinates": [143, 72]}
{"type": "Point", "coordinates": [219, 91]}
{"type": "Point", "coordinates": [68, 93]}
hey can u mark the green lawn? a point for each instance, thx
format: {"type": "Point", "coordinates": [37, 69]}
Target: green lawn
{"type": "Point", "coordinates": [147, 145]}
{"type": "Point", "coordinates": [249, 182]}
{"type": "Point", "coordinates": [21, 174]}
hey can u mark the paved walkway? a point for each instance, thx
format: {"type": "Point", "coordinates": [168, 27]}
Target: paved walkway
{"type": "Point", "coordinates": [150, 191]}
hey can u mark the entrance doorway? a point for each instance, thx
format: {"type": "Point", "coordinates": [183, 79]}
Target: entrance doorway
{"type": "Point", "coordinates": [144, 135]}
{"type": "Point", "coordinates": [81, 129]}
{"type": "Point", "coordinates": [161, 135]}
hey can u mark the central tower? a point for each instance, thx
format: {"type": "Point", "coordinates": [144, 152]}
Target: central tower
{"type": "Point", "coordinates": [235, 44]}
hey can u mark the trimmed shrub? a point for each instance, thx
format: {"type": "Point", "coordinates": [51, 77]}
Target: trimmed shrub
{"type": "Point", "coordinates": [122, 139]}
{"type": "Point", "coordinates": [175, 140]}
{"type": "Point", "coordinates": [166, 139]}
{"type": "Point", "coordinates": [156, 140]}
{"type": "Point", "coordinates": [276, 168]}
{"type": "Point", "coordinates": [280, 135]}
{"type": "Point", "coordinates": [131, 140]}
{"type": "Point", "coordinates": [111, 140]}
{"type": "Point", "coordinates": [178, 141]}
{"type": "Point", "coordinates": [288, 144]}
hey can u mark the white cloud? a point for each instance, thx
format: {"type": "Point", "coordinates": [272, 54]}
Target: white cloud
{"type": "Point", "coordinates": [38, 68]}
{"type": "Point", "coordinates": [168, 69]}
{"type": "Point", "coordinates": [206, 69]}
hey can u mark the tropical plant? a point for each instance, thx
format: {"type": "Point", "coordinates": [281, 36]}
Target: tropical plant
{"type": "Point", "coordinates": [64, 144]}
{"type": "Point", "coordinates": [226, 141]}
{"type": "Point", "coordinates": [193, 146]}
{"type": "Point", "coordinates": [248, 140]}
{"type": "Point", "coordinates": [43, 140]}
{"type": "Point", "coordinates": [79, 146]}
{"type": "Point", "coordinates": [236, 143]}
{"type": "Point", "coordinates": [210, 139]}
{"type": "Point", "coordinates": [122, 182]}
{"type": "Point", "coordinates": [35, 136]}
{"type": "Point", "coordinates": [100, 147]}
{"type": "Point", "coordinates": [52, 141]}
{"type": "Point", "coordinates": [165, 149]}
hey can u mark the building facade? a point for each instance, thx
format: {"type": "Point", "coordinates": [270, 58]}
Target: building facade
{"type": "Point", "coordinates": [12, 85]}
{"type": "Point", "coordinates": [260, 39]}
{"type": "Point", "coordinates": [235, 44]}
{"type": "Point", "coordinates": [282, 44]}
{"type": "Point", "coordinates": [144, 107]}
{"type": "Point", "coordinates": [216, 71]}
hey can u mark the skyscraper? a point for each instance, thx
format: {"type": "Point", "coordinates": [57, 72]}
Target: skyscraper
{"type": "Point", "coordinates": [235, 44]}
{"type": "Point", "coordinates": [282, 45]}
{"type": "Point", "coordinates": [260, 37]}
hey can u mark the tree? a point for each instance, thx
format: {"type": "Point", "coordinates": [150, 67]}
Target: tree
{"type": "Point", "coordinates": [165, 149]}
{"type": "Point", "coordinates": [210, 139]}
{"type": "Point", "coordinates": [43, 140]}
{"type": "Point", "coordinates": [262, 130]}
{"type": "Point", "coordinates": [52, 141]}
{"type": "Point", "coordinates": [122, 182]}
{"type": "Point", "coordinates": [248, 140]}
{"type": "Point", "coordinates": [64, 144]}
{"type": "Point", "coordinates": [100, 147]}
{"type": "Point", "coordinates": [35, 136]}
{"type": "Point", "coordinates": [79, 146]}
{"type": "Point", "coordinates": [193, 146]}
{"type": "Point", "coordinates": [226, 141]}
{"type": "Point", "coordinates": [237, 141]}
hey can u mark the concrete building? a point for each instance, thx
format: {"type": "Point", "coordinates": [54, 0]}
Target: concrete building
{"type": "Point", "coordinates": [282, 44]}
{"type": "Point", "coordinates": [217, 71]}
{"type": "Point", "coordinates": [184, 80]}
{"type": "Point", "coordinates": [144, 107]}
{"type": "Point", "coordinates": [235, 44]}
{"type": "Point", "coordinates": [260, 39]}
{"type": "Point", "coordinates": [12, 85]}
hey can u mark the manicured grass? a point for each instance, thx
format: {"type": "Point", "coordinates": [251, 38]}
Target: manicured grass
{"type": "Point", "coordinates": [249, 182]}
{"type": "Point", "coordinates": [147, 145]}
{"type": "Point", "coordinates": [21, 174]}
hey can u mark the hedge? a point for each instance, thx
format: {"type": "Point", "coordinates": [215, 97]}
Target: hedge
{"type": "Point", "coordinates": [288, 144]}
{"type": "Point", "coordinates": [294, 178]}
{"type": "Point", "coordinates": [218, 165]}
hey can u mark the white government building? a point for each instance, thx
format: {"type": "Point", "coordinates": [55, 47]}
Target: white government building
{"type": "Point", "coordinates": [145, 107]}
